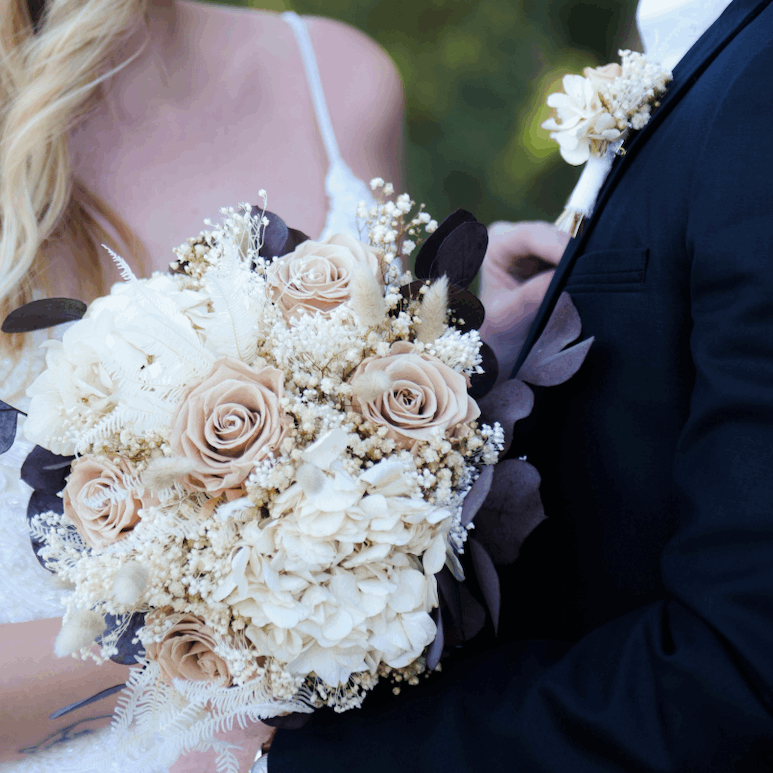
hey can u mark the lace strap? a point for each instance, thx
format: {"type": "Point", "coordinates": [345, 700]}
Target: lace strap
{"type": "Point", "coordinates": [315, 85]}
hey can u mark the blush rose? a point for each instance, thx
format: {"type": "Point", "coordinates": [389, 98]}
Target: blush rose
{"type": "Point", "coordinates": [315, 276]}
{"type": "Point", "coordinates": [187, 651]}
{"type": "Point", "coordinates": [227, 423]}
{"type": "Point", "coordinates": [98, 501]}
{"type": "Point", "coordinates": [424, 396]}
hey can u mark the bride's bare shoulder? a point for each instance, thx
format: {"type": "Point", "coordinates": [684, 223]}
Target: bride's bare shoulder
{"type": "Point", "coordinates": [365, 94]}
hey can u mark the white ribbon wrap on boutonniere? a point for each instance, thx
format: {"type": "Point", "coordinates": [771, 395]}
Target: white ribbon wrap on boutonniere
{"type": "Point", "coordinates": [594, 116]}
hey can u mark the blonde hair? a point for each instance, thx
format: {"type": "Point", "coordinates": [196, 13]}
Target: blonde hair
{"type": "Point", "coordinates": [50, 79]}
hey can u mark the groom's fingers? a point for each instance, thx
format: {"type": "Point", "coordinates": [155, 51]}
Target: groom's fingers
{"type": "Point", "coordinates": [510, 243]}
{"type": "Point", "coordinates": [507, 307]}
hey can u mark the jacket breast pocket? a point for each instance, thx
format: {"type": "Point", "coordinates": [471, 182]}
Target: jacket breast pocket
{"type": "Point", "coordinates": [609, 271]}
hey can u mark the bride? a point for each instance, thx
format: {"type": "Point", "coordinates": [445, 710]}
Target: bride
{"type": "Point", "coordinates": [127, 122]}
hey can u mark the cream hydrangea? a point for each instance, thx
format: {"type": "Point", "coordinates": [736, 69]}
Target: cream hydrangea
{"type": "Point", "coordinates": [333, 582]}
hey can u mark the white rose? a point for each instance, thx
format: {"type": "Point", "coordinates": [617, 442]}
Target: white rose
{"type": "Point", "coordinates": [580, 118]}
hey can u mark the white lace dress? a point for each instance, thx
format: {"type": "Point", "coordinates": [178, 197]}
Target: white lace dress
{"type": "Point", "coordinates": [29, 592]}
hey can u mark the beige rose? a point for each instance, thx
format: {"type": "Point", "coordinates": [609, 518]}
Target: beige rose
{"type": "Point", "coordinates": [98, 502]}
{"type": "Point", "coordinates": [228, 423]}
{"type": "Point", "coordinates": [315, 277]}
{"type": "Point", "coordinates": [604, 75]}
{"type": "Point", "coordinates": [187, 650]}
{"type": "Point", "coordinates": [425, 394]}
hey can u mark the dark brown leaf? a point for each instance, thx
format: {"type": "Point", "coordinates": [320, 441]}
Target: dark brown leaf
{"type": "Point", "coordinates": [488, 579]}
{"type": "Point", "coordinates": [508, 403]}
{"type": "Point", "coordinates": [46, 312]}
{"type": "Point", "coordinates": [511, 512]}
{"type": "Point", "coordinates": [546, 363]}
{"type": "Point", "coordinates": [476, 496]}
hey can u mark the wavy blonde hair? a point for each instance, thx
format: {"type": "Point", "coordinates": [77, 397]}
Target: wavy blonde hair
{"type": "Point", "coordinates": [49, 80]}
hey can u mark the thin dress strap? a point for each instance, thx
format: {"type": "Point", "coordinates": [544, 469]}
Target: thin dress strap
{"type": "Point", "coordinates": [315, 84]}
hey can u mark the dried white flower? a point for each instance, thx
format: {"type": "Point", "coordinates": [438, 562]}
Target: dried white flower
{"type": "Point", "coordinates": [79, 630]}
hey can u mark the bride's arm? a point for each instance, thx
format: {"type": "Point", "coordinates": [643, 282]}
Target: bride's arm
{"type": "Point", "coordinates": [34, 683]}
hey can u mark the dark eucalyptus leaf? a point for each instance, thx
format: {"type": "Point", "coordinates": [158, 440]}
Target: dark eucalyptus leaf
{"type": "Point", "coordinates": [426, 258]}
{"type": "Point", "coordinates": [292, 721]}
{"type": "Point", "coordinates": [507, 403]}
{"type": "Point", "coordinates": [88, 701]}
{"type": "Point", "coordinates": [8, 417]}
{"type": "Point", "coordinates": [512, 510]}
{"type": "Point", "coordinates": [45, 470]}
{"type": "Point", "coordinates": [42, 502]}
{"type": "Point", "coordinates": [546, 363]}
{"type": "Point", "coordinates": [467, 312]}
{"type": "Point", "coordinates": [43, 313]}
{"type": "Point", "coordinates": [278, 238]}
{"type": "Point", "coordinates": [435, 650]}
{"type": "Point", "coordinates": [127, 650]}
{"type": "Point", "coordinates": [463, 616]}
{"type": "Point", "coordinates": [294, 238]}
{"type": "Point", "coordinates": [476, 496]}
{"type": "Point", "coordinates": [482, 383]}
{"type": "Point", "coordinates": [488, 579]}
{"type": "Point", "coordinates": [274, 234]}
{"type": "Point", "coordinates": [460, 255]}
{"type": "Point", "coordinates": [553, 369]}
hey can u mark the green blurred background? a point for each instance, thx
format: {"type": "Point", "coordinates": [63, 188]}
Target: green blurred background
{"type": "Point", "coordinates": [476, 77]}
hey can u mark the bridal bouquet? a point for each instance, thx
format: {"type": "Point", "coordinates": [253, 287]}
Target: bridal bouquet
{"type": "Point", "coordinates": [254, 472]}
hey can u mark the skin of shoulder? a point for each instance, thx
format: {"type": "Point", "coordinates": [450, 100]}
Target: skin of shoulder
{"type": "Point", "coordinates": [365, 97]}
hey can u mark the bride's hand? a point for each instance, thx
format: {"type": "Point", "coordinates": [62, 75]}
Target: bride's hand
{"type": "Point", "coordinates": [514, 277]}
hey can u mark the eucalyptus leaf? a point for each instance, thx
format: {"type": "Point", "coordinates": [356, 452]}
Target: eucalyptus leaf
{"type": "Point", "coordinates": [477, 494]}
{"type": "Point", "coordinates": [467, 312]}
{"type": "Point", "coordinates": [425, 266]}
{"type": "Point", "coordinates": [488, 579]}
{"type": "Point", "coordinates": [507, 403]}
{"type": "Point", "coordinates": [512, 510]}
{"type": "Point", "coordinates": [435, 650]}
{"type": "Point", "coordinates": [8, 418]}
{"type": "Point", "coordinates": [482, 383]}
{"type": "Point", "coordinates": [465, 616]}
{"type": "Point", "coordinates": [461, 254]}
{"type": "Point", "coordinates": [546, 363]}
{"type": "Point", "coordinates": [45, 470]}
{"type": "Point", "coordinates": [274, 234]}
{"type": "Point", "coordinates": [42, 502]}
{"type": "Point", "coordinates": [127, 649]}
{"type": "Point", "coordinates": [45, 312]}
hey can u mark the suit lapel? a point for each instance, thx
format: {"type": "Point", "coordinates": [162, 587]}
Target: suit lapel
{"type": "Point", "coordinates": [735, 17]}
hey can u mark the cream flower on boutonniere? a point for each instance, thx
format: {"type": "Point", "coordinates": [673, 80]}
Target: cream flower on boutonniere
{"type": "Point", "coordinates": [593, 117]}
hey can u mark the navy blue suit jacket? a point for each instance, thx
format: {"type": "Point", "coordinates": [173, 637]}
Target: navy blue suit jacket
{"type": "Point", "coordinates": [639, 617]}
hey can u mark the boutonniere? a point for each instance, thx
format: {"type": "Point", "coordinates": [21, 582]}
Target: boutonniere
{"type": "Point", "coordinates": [594, 116]}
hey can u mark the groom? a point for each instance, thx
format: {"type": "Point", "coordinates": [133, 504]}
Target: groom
{"type": "Point", "coordinates": [639, 617]}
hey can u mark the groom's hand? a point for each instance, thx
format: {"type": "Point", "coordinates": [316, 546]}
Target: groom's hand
{"type": "Point", "coordinates": [517, 269]}
{"type": "Point", "coordinates": [514, 277]}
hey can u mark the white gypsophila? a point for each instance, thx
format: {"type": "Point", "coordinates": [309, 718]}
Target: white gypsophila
{"type": "Point", "coordinates": [581, 117]}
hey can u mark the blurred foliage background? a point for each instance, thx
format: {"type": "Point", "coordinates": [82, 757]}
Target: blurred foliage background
{"type": "Point", "coordinates": [476, 77]}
